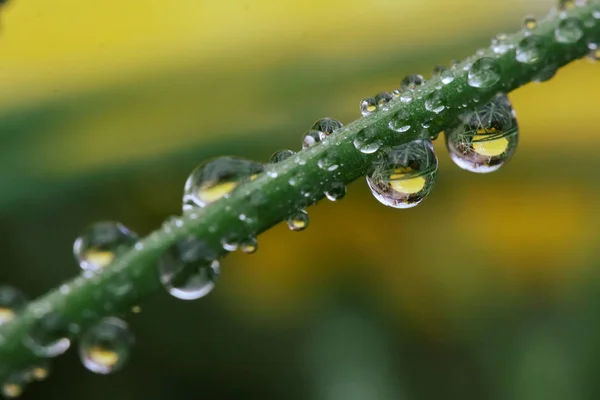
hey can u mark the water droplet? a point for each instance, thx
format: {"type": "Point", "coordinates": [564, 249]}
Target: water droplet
{"type": "Point", "coordinates": [406, 97]}
{"type": "Point", "coordinates": [569, 30]}
{"type": "Point", "coordinates": [281, 155]}
{"type": "Point", "coordinates": [434, 102]}
{"type": "Point", "coordinates": [48, 336]}
{"type": "Point", "coordinates": [396, 93]}
{"type": "Point", "coordinates": [594, 54]}
{"type": "Point", "coordinates": [336, 191]}
{"type": "Point", "coordinates": [327, 126]}
{"type": "Point", "coordinates": [328, 162]}
{"type": "Point", "coordinates": [311, 138]}
{"type": "Point", "coordinates": [298, 220]}
{"type": "Point", "coordinates": [500, 44]}
{"type": "Point", "coordinates": [98, 246]}
{"type": "Point", "coordinates": [411, 83]}
{"type": "Point", "coordinates": [104, 348]}
{"type": "Point", "coordinates": [13, 387]}
{"type": "Point", "coordinates": [368, 106]}
{"type": "Point", "coordinates": [400, 122]}
{"type": "Point", "coordinates": [529, 24]}
{"type": "Point", "coordinates": [447, 76]}
{"type": "Point", "coordinates": [486, 139]}
{"type": "Point", "coordinates": [40, 371]}
{"type": "Point", "coordinates": [366, 141]}
{"type": "Point", "coordinates": [12, 300]}
{"type": "Point", "coordinates": [249, 245]}
{"type": "Point", "coordinates": [188, 269]}
{"type": "Point", "coordinates": [529, 50]}
{"type": "Point", "coordinates": [484, 73]}
{"type": "Point", "coordinates": [405, 175]}
{"type": "Point", "coordinates": [217, 178]}
{"type": "Point", "coordinates": [565, 5]}
{"type": "Point", "coordinates": [546, 73]}
{"type": "Point", "coordinates": [382, 100]}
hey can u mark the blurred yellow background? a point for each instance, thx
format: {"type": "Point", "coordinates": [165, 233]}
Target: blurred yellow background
{"type": "Point", "coordinates": [486, 290]}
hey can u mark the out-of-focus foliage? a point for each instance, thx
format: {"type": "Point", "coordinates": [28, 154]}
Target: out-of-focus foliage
{"type": "Point", "coordinates": [486, 290]}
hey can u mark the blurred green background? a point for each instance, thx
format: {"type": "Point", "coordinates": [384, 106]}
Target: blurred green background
{"type": "Point", "coordinates": [488, 290]}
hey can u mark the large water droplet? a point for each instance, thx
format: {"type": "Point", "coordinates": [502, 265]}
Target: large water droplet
{"type": "Point", "coordinates": [484, 73]}
{"type": "Point", "coordinates": [49, 335]}
{"type": "Point", "coordinates": [12, 300]}
{"type": "Point", "coordinates": [336, 191]}
{"type": "Point", "coordinates": [405, 175]}
{"type": "Point", "coordinates": [281, 155]}
{"type": "Point", "coordinates": [298, 220]}
{"type": "Point", "coordinates": [104, 348]}
{"type": "Point", "coordinates": [569, 30]}
{"type": "Point", "coordinates": [188, 269]}
{"type": "Point", "coordinates": [367, 141]}
{"type": "Point", "coordinates": [411, 83]}
{"type": "Point", "coordinates": [217, 178]}
{"type": "Point", "coordinates": [529, 50]}
{"type": "Point", "coordinates": [326, 126]}
{"type": "Point", "coordinates": [311, 138]}
{"type": "Point", "coordinates": [486, 139]}
{"type": "Point", "coordinates": [98, 246]}
{"type": "Point", "coordinates": [368, 106]}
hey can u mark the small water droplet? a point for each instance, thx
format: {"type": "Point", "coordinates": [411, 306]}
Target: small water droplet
{"type": "Point", "coordinates": [396, 93]}
{"type": "Point", "coordinates": [406, 97]}
{"type": "Point", "coordinates": [382, 100]}
{"type": "Point", "coordinates": [486, 139]}
{"type": "Point", "coordinates": [569, 30]}
{"type": "Point", "coordinates": [12, 300]}
{"type": "Point", "coordinates": [411, 83]}
{"type": "Point", "coordinates": [529, 24]}
{"type": "Point", "coordinates": [434, 102]}
{"type": "Point", "coordinates": [217, 178]}
{"type": "Point", "coordinates": [336, 191]}
{"type": "Point", "coordinates": [566, 5]}
{"type": "Point", "coordinates": [327, 126]}
{"type": "Point", "coordinates": [405, 175]}
{"type": "Point", "coordinates": [298, 220]}
{"type": "Point", "coordinates": [366, 141]}
{"type": "Point", "coordinates": [249, 245]}
{"type": "Point", "coordinates": [368, 106]}
{"type": "Point", "coordinates": [99, 245]}
{"type": "Point", "coordinates": [311, 138]}
{"type": "Point", "coordinates": [328, 162]}
{"type": "Point", "coordinates": [500, 44]}
{"type": "Point", "coordinates": [104, 348]}
{"type": "Point", "coordinates": [447, 76]}
{"type": "Point", "coordinates": [40, 371]}
{"type": "Point", "coordinates": [49, 335]}
{"type": "Point", "coordinates": [529, 50]}
{"type": "Point", "coordinates": [484, 73]}
{"type": "Point", "coordinates": [281, 155]}
{"type": "Point", "coordinates": [400, 122]}
{"type": "Point", "coordinates": [188, 269]}
{"type": "Point", "coordinates": [594, 54]}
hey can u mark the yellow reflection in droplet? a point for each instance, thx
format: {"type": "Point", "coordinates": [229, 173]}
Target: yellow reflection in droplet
{"type": "Point", "coordinates": [298, 224]}
{"type": "Point", "coordinates": [99, 258]}
{"type": "Point", "coordinates": [6, 315]}
{"type": "Point", "coordinates": [408, 186]}
{"type": "Point", "coordinates": [107, 358]}
{"type": "Point", "coordinates": [489, 148]}
{"type": "Point", "coordinates": [210, 194]}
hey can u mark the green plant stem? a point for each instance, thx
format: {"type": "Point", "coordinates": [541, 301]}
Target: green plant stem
{"type": "Point", "coordinates": [258, 205]}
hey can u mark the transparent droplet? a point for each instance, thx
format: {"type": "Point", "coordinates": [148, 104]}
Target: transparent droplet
{"type": "Point", "coordinates": [569, 30]}
{"type": "Point", "coordinates": [484, 73]}
{"type": "Point", "coordinates": [99, 245]}
{"type": "Point", "coordinates": [529, 24]}
{"type": "Point", "coordinates": [249, 245]}
{"type": "Point", "coordinates": [486, 138]}
{"type": "Point", "coordinates": [217, 178]}
{"type": "Point", "coordinates": [594, 54]}
{"type": "Point", "coordinates": [49, 335]}
{"type": "Point", "coordinates": [529, 50]}
{"type": "Point", "coordinates": [368, 106]}
{"type": "Point", "coordinates": [412, 82]}
{"type": "Point", "coordinates": [104, 348]}
{"type": "Point", "coordinates": [188, 269]}
{"type": "Point", "coordinates": [12, 300]}
{"type": "Point", "coordinates": [405, 175]}
{"type": "Point", "coordinates": [566, 5]}
{"type": "Point", "coordinates": [281, 155]}
{"type": "Point", "coordinates": [434, 102]}
{"type": "Point", "coordinates": [298, 220]}
{"type": "Point", "coordinates": [336, 191]}
{"type": "Point", "coordinates": [500, 44]}
{"type": "Point", "coordinates": [367, 141]}
{"type": "Point", "coordinates": [447, 76]}
{"type": "Point", "coordinates": [406, 97]}
{"type": "Point", "coordinates": [400, 122]}
{"type": "Point", "coordinates": [328, 162]}
{"type": "Point", "coordinates": [327, 126]}
{"type": "Point", "coordinates": [382, 100]}
{"type": "Point", "coordinates": [311, 138]}
{"type": "Point", "coordinates": [396, 93]}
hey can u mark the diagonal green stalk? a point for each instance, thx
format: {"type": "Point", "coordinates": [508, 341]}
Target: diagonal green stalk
{"type": "Point", "coordinates": [300, 181]}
